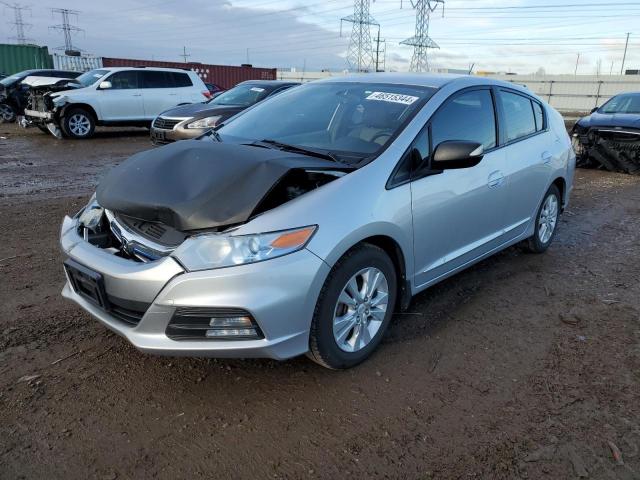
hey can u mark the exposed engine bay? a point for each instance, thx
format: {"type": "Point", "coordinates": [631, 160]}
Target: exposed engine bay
{"type": "Point", "coordinates": [150, 204]}
{"type": "Point", "coordinates": [40, 109]}
{"type": "Point", "coordinates": [614, 149]}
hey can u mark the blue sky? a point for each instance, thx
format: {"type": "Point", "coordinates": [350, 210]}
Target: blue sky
{"type": "Point", "coordinates": [497, 35]}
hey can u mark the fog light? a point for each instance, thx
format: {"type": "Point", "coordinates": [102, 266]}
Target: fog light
{"type": "Point", "coordinates": [232, 332]}
{"type": "Point", "coordinates": [213, 323]}
{"type": "Point", "coordinates": [231, 322]}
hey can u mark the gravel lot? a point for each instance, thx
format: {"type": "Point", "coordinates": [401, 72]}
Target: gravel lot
{"type": "Point", "coordinates": [524, 366]}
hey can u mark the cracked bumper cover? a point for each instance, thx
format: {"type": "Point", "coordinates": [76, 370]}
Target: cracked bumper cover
{"type": "Point", "coordinates": [280, 294]}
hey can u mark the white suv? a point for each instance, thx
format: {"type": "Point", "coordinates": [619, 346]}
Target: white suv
{"type": "Point", "coordinates": [119, 96]}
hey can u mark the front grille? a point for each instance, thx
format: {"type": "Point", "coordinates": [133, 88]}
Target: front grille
{"type": "Point", "coordinates": [127, 311]}
{"type": "Point", "coordinates": [165, 123]}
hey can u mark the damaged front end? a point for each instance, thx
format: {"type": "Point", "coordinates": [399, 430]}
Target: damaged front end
{"type": "Point", "coordinates": [614, 149]}
{"type": "Point", "coordinates": [157, 202]}
{"type": "Point", "coordinates": [43, 108]}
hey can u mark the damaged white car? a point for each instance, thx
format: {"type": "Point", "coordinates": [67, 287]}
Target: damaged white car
{"type": "Point", "coordinates": [117, 96]}
{"type": "Point", "coordinates": [306, 221]}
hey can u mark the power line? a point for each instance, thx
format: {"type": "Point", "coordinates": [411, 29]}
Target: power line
{"type": "Point", "coordinates": [18, 22]}
{"type": "Point", "coordinates": [360, 54]}
{"type": "Point", "coordinates": [66, 28]}
{"type": "Point", "coordinates": [421, 41]}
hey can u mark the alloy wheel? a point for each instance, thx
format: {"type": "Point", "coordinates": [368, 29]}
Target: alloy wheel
{"type": "Point", "coordinates": [79, 124]}
{"type": "Point", "coordinates": [548, 218]}
{"type": "Point", "coordinates": [360, 309]}
{"type": "Point", "coordinates": [6, 113]}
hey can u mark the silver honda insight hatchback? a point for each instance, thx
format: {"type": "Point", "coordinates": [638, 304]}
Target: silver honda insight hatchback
{"type": "Point", "coordinates": [302, 224]}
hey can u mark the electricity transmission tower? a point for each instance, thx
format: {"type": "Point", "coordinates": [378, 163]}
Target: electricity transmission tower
{"type": "Point", "coordinates": [421, 41]}
{"type": "Point", "coordinates": [360, 53]}
{"type": "Point", "coordinates": [18, 23]}
{"type": "Point", "coordinates": [66, 28]}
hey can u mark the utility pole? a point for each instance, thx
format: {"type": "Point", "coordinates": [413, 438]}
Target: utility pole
{"type": "Point", "coordinates": [624, 57]}
{"type": "Point", "coordinates": [66, 28]}
{"type": "Point", "coordinates": [359, 55]}
{"type": "Point", "coordinates": [185, 55]}
{"type": "Point", "coordinates": [421, 41]}
{"type": "Point", "coordinates": [18, 23]}
{"type": "Point", "coordinates": [378, 41]}
{"type": "Point", "coordinates": [577, 61]}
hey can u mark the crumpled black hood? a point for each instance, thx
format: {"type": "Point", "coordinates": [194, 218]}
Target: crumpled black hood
{"type": "Point", "coordinates": [198, 184]}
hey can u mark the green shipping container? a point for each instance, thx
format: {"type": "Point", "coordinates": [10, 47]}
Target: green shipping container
{"type": "Point", "coordinates": [15, 58]}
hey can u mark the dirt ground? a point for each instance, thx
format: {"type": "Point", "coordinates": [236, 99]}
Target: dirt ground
{"type": "Point", "coordinates": [524, 366]}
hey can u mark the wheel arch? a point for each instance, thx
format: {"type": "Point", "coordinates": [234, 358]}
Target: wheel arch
{"type": "Point", "coordinates": [84, 106]}
{"type": "Point", "coordinates": [561, 183]}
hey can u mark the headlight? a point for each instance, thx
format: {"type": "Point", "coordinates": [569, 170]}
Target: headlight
{"type": "Point", "coordinates": [91, 215]}
{"type": "Point", "coordinates": [205, 252]}
{"type": "Point", "coordinates": [207, 122]}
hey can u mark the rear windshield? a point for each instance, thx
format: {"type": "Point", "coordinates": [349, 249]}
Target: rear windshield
{"type": "Point", "coordinates": [91, 77]}
{"type": "Point", "coordinates": [629, 103]}
{"type": "Point", "coordinates": [349, 120]}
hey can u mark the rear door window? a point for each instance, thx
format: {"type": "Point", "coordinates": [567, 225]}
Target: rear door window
{"type": "Point", "coordinates": [156, 79]}
{"type": "Point", "coordinates": [519, 120]}
{"type": "Point", "coordinates": [467, 116]}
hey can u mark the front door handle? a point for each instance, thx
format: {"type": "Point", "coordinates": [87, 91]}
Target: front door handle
{"type": "Point", "coordinates": [546, 157]}
{"type": "Point", "coordinates": [496, 179]}
{"type": "Point", "coordinates": [137, 94]}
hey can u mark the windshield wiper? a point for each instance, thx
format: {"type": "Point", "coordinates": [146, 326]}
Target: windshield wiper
{"type": "Point", "coordinates": [215, 134]}
{"type": "Point", "coordinates": [303, 150]}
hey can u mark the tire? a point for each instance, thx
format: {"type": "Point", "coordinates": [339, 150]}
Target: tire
{"type": "Point", "coordinates": [7, 113]}
{"type": "Point", "coordinates": [547, 217]}
{"type": "Point", "coordinates": [78, 123]}
{"type": "Point", "coordinates": [364, 322]}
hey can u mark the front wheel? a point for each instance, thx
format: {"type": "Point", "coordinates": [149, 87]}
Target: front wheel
{"type": "Point", "coordinates": [546, 222]}
{"type": "Point", "coordinates": [78, 123]}
{"type": "Point", "coordinates": [7, 113]}
{"type": "Point", "coordinates": [354, 308]}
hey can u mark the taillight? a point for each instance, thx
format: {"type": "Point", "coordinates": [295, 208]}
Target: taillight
{"type": "Point", "coordinates": [207, 94]}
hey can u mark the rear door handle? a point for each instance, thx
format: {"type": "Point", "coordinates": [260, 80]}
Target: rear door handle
{"type": "Point", "coordinates": [546, 157]}
{"type": "Point", "coordinates": [495, 179]}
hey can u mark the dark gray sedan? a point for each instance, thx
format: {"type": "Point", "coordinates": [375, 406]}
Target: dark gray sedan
{"type": "Point", "coordinates": [192, 120]}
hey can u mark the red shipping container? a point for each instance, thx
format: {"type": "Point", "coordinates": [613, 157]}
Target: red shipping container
{"type": "Point", "coordinates": [225, 76]}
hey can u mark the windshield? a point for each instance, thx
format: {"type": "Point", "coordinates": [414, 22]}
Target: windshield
{"type": "Point", "coordinates": [244, 95]}
{"type": "Point", "coordinates": [7, 82]}
{"type": "Point", "coordinates": [89, 78]}
{"type": "Point", "coordinates": [626, 103]}
{"type": "Point", "coordinates": [345, 119]}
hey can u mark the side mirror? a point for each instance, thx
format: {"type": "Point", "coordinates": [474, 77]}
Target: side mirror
{"type": "Point", "coordinates": [106, 85]}
{"type": "Point", "coordinates": [594, 109]}
{"type": "Point", "coordinates": [456, 154]}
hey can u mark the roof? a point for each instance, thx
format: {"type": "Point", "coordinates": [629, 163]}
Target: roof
{"type": "Point", "coordinates": [433, 80]}
{"type": "Point", "coordinates": [142, 67]}
{"type": "Point", "coordinates": [270, 83]}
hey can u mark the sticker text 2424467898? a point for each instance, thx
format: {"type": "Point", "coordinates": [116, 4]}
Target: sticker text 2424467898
{"type": "Point", "coordinates": [392, 97]}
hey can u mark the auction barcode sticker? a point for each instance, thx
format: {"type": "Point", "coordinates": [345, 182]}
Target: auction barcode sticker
{"type": "Point", "coordinates": [392, 97]}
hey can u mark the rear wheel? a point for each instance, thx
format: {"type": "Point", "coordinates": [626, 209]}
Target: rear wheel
{"type": "Point", "coordinates": [354, 308]}
{"type": "Point", "coordinates": [7, 113]}
{"type": "Point", "coordinates": [78, 123]}
{"type": "Point", "coordinates": [546, 222]}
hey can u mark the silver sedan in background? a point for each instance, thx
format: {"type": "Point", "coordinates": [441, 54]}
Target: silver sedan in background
{"type": "Point", "coordinates": [305, 222]}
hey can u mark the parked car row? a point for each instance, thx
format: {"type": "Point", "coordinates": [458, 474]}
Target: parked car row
{"type": "Point", "coordinates": [301, 225]}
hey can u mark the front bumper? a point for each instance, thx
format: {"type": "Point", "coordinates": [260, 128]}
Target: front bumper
{"type": "Point", "coordinates": [280, 294]}
{"type": "Point", "coordinates": [161, 136]}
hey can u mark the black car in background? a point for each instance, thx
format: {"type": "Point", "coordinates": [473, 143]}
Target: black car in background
{"type": "Point", "coordinates": [609, 137]}
{"type": "Point", "coordinates": [191, 121]}
{"type": "Point", "coordinates": [13, 95]}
